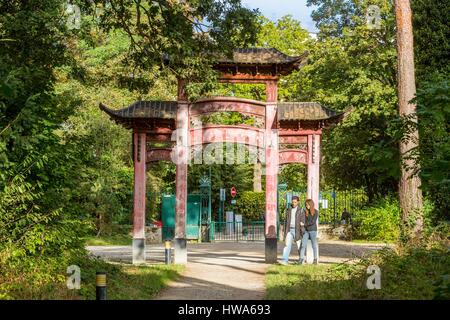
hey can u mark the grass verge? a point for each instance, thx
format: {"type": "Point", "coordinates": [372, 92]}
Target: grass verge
{"type": "Point", "coordinates": [118, 235]}
{"type": "Point", "coordinates": [112, 240]}
{"type": "Point", "coordinates": [45, 278]}
{"type": "Point", "coordinates": [406, 273]}
{"type": "Point", "coordinates": [361, 241]}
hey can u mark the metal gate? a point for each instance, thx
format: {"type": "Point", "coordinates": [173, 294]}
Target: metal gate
{"type": "Point", "coordinates": [237, 231]}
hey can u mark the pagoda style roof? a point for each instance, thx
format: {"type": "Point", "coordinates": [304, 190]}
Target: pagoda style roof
{"type": "Point", "coordinates": [256, 61]}
{"type": "Point", "coordinates": [305, 111]}
{"type": "Point", "coordinates": [264, 60]}
{"type": "Point", "coordinates": [262, 56]}
{"type": "Point", "coordinates": [144, 110]}
{"type": "Point", "coordinates": [166, 110]}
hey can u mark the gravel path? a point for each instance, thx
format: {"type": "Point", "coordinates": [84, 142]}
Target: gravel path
{"type": "Point", "coordinates": [228, 270]}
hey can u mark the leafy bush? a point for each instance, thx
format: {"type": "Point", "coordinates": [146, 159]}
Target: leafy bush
{"type": "Point", "coordinates": [442, 290]}
{"type": "Point", "coordinates": [44, 277]}
{"type": "Point", "coordinates": [434, 150]}
{"type": "Point", "coordinates": [378, 222]}
{"type": "Point", "coordinates": [251, 205]}
{"type": "Point", "coordinates": [34, 277]}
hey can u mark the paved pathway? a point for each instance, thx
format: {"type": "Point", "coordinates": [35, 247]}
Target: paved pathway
{"type": "Point", "coordinates": [228, 270]}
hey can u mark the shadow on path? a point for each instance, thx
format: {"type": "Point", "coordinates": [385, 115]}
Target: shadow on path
{"type": "Point", "coordinates": [228, 270]}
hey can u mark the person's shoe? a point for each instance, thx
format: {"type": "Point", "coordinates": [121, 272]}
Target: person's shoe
{"type": "Point", "coordinates": [284, 263]}
{"type": "Point", "coordinates": [301, 261]}
{"type": "Point", "coordinates": [315, 261]}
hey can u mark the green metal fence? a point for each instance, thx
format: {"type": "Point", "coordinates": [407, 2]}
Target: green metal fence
{"type": "Point", "coordinates": [331, 203]}
{"type": "Point", "coordinates": [237, 231]}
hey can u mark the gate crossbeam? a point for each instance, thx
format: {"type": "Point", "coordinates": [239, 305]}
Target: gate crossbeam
{"type": "Point", "coordinates": [283, 125]}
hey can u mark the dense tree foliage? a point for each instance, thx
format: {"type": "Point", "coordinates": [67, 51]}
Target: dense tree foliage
{"type": "Point", "coordinates": [432, 55]}
{"type": "Point", "coordinates": [179, 38]}
{"type": "Point", "coordinates": [431, 37]}
{"type": "Point", "coordinates": [352, 67]}
{"type": "Point", "coordinates": [433, 108]}
{"type": "Point", "coordinates": [105, 192]}
{"type": "Point", "coordinates": [65, 167]}
{"type": "Point", "coordinates": [37, 212]}
{"type": "Point", "coordinates": [252, 205]}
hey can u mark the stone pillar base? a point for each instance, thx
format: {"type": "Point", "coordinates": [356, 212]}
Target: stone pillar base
{"type": "Point", "coordinates": [271, 250]}
{"type": "Point", "coordinates": [138, 251]}
{"type": "Point", "coordinates": [180, 254]}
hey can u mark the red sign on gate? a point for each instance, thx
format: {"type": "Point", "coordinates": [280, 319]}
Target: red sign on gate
{"type": "Point", "coordinates": [233, 191]}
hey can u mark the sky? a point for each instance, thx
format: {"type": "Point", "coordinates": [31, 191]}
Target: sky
{"type": "Point", "coordinates": [274, 9]}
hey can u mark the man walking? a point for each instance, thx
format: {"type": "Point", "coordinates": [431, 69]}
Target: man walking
{"type": "Point", "coordinates": [293, 228]}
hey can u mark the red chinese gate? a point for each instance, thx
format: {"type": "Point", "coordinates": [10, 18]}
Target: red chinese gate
{"type": "Point", "coordinates": [287, 132]}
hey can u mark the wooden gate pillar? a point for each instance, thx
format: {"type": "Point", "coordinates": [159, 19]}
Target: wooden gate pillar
{"type": "Point", "coordinates": [314, 168]}
{"type": "Point", "coordinates": [182, 156]}
{"type": "Point", "coordinates": [313, 180]}
{"type": "Point", "coordinates": [139, 158]}
{"type": "Point", "coordinates": [271, 146]}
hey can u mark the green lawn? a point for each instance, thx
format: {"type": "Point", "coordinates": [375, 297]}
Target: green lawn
{"type": "Point", "coordinates": [372, 241]}
{"type": "Point", "coordinates": [407, 273]}
{"type": "Point", "coordinates": [117, 235]}
{"type": "Point", "coordinates": [134, 282]}
{"type": "Point", "coordinates": [112, 240]}
{"type": "Point", "coordinates": [37, 278]}
{"type": "Point", "coordinates": [305, 282]}
{"type": "Point", "coordinates": [125, 281]}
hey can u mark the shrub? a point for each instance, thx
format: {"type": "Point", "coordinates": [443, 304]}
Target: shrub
{"type": "Point", "coordinates": [37, 277]}
{"type": "Point", "coordinates": [251, 205]}
{"type": "Point", "coordinates": [434, 150]}
{"type": "Point", "coordinates": [378, 222]}
{"type": "Point", "coordinates": [408, 272]}
{"type": "Point", "coordinates": [45, 277]}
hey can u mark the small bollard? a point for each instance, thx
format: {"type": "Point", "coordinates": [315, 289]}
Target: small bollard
{"type": "Point", "coordinates": [168, 252]}
{"type": "Point", "coordinates": [100, 284]}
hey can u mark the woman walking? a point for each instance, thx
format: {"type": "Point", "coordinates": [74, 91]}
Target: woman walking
{"type": "Point", "coordinates": [293, 228]}
{"type": "Point", "coordinates": [311, 215]}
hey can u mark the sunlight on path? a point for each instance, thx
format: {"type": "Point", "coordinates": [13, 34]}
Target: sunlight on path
{"type": "Point", "coordinates": [228, 270]}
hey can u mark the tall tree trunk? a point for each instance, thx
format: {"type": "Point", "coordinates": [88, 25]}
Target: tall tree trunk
{"type": "Point", "coordinates": [257, 172]}
{"type": "Point", "coordinates": [409, 186]}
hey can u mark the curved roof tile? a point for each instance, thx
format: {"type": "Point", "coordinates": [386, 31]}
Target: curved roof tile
{"type": "Point", "coordinates": [287, 111]}
{"type": "Point", "coordinates": [260, 56]}
{"type": "Point", "coordinates": [304, 111]}
{"type": "Point", "coordinates": [144, 109]}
